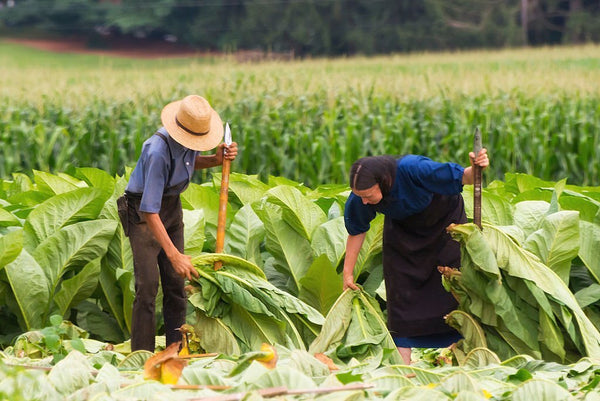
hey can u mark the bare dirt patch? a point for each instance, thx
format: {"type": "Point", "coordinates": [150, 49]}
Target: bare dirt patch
{"type": "Point", "coordinates": [138, 48]}
{"type": "Point", "coordinates": [120, 48]}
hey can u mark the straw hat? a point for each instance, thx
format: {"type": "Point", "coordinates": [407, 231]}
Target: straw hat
{"type": "Point", "coordinates": [193, 123]}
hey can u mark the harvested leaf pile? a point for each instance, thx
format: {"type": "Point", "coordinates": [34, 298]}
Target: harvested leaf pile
{"type": "Point", "coordinates": [520, 284]}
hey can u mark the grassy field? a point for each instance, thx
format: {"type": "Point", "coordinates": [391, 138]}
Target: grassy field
{"type": "Point", "coordinates": [308, 120]}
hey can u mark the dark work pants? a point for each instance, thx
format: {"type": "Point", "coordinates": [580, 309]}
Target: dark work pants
{"type": "Point", "coordinates": [147, 253]}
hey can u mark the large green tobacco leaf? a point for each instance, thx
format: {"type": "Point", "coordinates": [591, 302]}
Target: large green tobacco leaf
{"type": "Point", "coordinates": [194, 236]}
{"type": "Point", "coordinates": [30, 290]}
{"type": "Point", "coordinates": [517, 183]}
{"type": "Point", "coordinates": [321, 285]}
{"type": "Point", "coordinates": [116, 274]}
{"type": "Point", "coordinates": [371, 247]}
{"type": "Point", "coordinates": [495, 209]}
{"type": "Point", "coordinates": [299, 212]}
{"type": "Point", "coordinates": [247, 188]}
{"type": "Point", "coordinates": [245, 235]}
{"type": "Point", "coordinates": [528, 215]}
{"type": "Point", "coordinates": [79, 287]}
{"type": "Point", "coordinates": [99, 179]}
{"type": "Point", "coordinates": [60, 211]}
{"type": "Point", "coordinates": [55, 184]}
{"type": "Point", "coordinates": [517, 262]}
{"type": "Point", "coordinates": [205, 198]}
{"type": "Point", "coordinates": [473, 334]}
{"type": "Point", "coordinates": [255, 310]}
{"type": "Point", "coordinates": [284, 376]}
{"type": "Point", "coordinates": [330, 239]}
{"type": "Point", "coordinates": [540, 389]}
{"type": "Point", "coordinates": [362, 332]}
{"type": "Point", "coordinates": [8, 219]}
{"type": "Point", "coordinates": [11, 245]}
{"type": "Point", "coordinates": [586, 206]}
{"type": "Point", "coordinates": [214, 335]}
{"type": "Point", "coordinates": [291, 251]}
{"type": "Point", "coordinates": [71, 248]}
{"type": "Point", "coordinates": [556, 242]}
{"type": "Point", "coordinates": [589, 251]}
{"type": "Point", "coordinates": [253, 329]}
{"type": "Point", "coordinates": [335, 326]}
{"type": "Point", "coordinates": [71, 373]}
{"type": "Point", "coordinates": [354, 328]}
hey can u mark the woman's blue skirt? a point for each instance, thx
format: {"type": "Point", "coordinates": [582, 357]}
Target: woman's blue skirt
{"type": "Point", "coordinates": [440, 340]}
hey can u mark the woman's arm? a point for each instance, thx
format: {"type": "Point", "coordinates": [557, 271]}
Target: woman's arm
{"type": "Point", "coordinates": [353, 245]}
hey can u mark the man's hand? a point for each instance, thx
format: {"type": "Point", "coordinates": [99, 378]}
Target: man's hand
{"type": "Point", "coordinates": [182, 264]}
{"type": "Point", "coordinates": [229, 152]}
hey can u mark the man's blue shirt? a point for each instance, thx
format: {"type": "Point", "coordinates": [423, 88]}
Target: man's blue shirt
{"type": "Point", "coordinates": [150, 176]}
{"type": "Point", "coordinates": [417, 179]}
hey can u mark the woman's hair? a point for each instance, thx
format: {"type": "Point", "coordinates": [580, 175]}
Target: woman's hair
{"type": "Point", "coordinates": [371, 170]}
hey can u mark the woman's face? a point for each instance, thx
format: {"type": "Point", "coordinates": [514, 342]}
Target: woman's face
{"type": "Point", "coordinates": [369, 196]}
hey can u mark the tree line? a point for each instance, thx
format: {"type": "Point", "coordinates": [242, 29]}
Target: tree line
{"type": "Point", "coordinates": [314, 27]}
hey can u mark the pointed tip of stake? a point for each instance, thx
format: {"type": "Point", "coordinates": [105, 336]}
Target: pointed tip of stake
{"type": "Point", "coordinates": [227, 136]}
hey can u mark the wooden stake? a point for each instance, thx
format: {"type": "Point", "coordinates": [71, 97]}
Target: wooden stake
{"type": "Point", "coordinates": [477, 180]}
{"type": "Point", "coordinates": [222, 217]}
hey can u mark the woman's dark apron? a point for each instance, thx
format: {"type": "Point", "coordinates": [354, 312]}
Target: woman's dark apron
{"type": "Point", "coordinates": [413, 248]}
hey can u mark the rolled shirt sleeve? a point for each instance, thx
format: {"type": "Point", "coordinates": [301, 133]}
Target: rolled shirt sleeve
{"type": "Point", "coordinates": [357, 215]}
{"type": "Point", "coordinates": [417, 179]}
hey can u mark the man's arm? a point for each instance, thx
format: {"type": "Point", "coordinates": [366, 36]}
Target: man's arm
{"type": "Point", "coordinates": [353, 245]}
{"type": "Point", "coordinates": [181, 263]}
{"type": "Point", "coordinates": [208, 161]}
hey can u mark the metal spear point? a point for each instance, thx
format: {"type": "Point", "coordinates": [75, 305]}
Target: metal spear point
{"type": "Point", "coordinates": [477, 180]}
{"type": "Point", "coordinates": [222, 216]}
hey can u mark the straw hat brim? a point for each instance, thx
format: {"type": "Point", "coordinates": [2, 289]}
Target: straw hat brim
{"type": "Point", "coordinates": [207, 141]}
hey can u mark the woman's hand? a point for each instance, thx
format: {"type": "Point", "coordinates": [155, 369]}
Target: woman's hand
{"type": "Point", "coordinates": [481, 160]}
{"type": "Point", "coordinates": [349, 282]}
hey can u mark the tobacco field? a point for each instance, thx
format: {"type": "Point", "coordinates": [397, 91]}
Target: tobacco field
{"type": "Point", "coordinates": [528, 292]}
{"type": "Point", "coordinates": [275, 322]}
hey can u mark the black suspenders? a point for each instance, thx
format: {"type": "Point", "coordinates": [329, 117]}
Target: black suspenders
{"type": "Point", "coordinates": [172, 169]}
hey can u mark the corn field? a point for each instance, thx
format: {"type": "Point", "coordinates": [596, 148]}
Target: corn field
{"type": "Point", "coordinates": [538, 110]}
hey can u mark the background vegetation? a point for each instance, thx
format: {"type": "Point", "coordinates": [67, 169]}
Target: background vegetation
{"type": "Point", "coordinates": [315, 27]}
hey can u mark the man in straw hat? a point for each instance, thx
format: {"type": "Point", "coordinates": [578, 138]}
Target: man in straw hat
{"type": "Point", "coordinates": [154, 221]}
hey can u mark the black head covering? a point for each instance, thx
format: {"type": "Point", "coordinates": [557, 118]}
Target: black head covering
{"type": "Point", "coordinates": [371, 170]}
